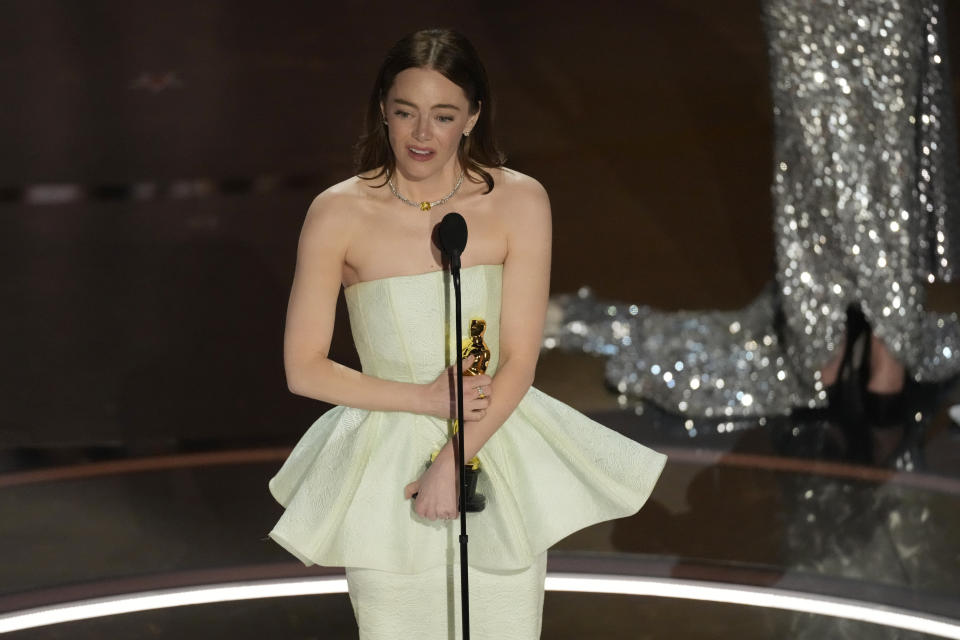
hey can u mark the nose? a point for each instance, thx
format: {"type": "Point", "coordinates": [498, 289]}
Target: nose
{"type": "Point", "coordinates": [422, 131]}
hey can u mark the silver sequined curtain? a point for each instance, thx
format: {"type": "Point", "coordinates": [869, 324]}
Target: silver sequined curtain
{"type": "Point", "coordinates": [865, 213]}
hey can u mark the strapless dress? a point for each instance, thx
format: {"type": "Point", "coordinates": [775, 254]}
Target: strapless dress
{"type": "Point", "coordinates": [546, 472]}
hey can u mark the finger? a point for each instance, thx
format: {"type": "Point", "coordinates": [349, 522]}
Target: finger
{"type": "Point", "coordinates": [475, 416]}
{"type": "Point", "coordinates": [468, 361]}
{"type": "Point", "coordinates": [410, 491]}
{"type": "Point", "coordinates": [421, 509]}
{"type": "Point", "coordinates": [482, 380]}
{"type": "Point", "coordinates": [479, 403]}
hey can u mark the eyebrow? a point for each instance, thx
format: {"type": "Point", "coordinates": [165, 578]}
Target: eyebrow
{"type": "Point", "coordinates": [436, 106]}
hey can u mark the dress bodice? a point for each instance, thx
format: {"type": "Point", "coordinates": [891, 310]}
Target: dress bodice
{"type": "Point", "coordinates": [402, 325]}
{"type": "Point", "coordinates": [547, 470]}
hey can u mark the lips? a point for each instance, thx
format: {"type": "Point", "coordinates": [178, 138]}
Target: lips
{"type": "Point", "coordinates": [420, 154]}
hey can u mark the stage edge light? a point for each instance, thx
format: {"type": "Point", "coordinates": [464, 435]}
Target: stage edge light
{"type": "Point", "coordinates": [771, 598]}
{"type": "Point", "coordinates": [580, 583]}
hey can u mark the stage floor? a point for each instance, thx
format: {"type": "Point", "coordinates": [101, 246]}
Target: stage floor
{"type": "Point", "coordinates": [739, 524]}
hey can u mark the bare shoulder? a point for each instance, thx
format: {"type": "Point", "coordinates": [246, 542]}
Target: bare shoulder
{"type": "Point", "coordinates": [525, 197]}
{"type": "Point", "coordinates": [517, 184]}
{"type": "Point", "coordinates": [340, 203]}
{"type": "Point", "coordinates": [333, 213]}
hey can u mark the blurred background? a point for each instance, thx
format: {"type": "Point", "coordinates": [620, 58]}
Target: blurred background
{"type": "Point", "coordinates": [156, 165]}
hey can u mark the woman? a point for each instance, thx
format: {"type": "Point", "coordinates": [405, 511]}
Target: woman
{"type": "Point", "coordinates": [357, 488]}
{"type": "Point", "coordinates": [865, 198]}
{"type": "Point", "coordinates": [864, 187]}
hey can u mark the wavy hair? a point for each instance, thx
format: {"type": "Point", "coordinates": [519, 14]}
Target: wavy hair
{"type": "Point", "coordinates": [452, 55]}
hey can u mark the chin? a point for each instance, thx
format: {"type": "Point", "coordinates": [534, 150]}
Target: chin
{"type": "Point", "coordinates": [419, 169]}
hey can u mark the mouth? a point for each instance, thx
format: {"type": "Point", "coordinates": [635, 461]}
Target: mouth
{"type": "Point", "coordinates": [421, 154]}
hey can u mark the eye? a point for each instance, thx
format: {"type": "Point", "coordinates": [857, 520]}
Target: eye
{"type": "Point", "coordinates": [445, 118]}
{"type": "Point", "coordinates": [400, 113]}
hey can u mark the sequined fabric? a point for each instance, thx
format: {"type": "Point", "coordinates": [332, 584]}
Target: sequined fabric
{"type": "Point", "coordinates": [865, 213]}
{"type": "Point", "coordinates": [863, 173]}
{"type": "Point", "coordinates": [721, 364]}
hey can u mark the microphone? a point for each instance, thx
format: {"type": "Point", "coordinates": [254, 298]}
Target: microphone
{"type": "Point", "coordinates": [452, 237]}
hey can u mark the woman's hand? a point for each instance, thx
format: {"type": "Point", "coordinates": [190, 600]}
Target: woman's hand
{"type": "Point", "coordinates": [436, 491]}
{"type": "Point", "coordinates": [441, 399]}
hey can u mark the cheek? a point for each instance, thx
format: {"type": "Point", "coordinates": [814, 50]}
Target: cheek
{"type": "Point", "coordinates": [451, 138]}
{"type": "Point", "coordinates": [397, 133]}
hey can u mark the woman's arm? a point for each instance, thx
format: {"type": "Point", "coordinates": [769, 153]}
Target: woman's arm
{"type": "Point", "coordinates": [526, 289]}
{"type": "Point", "coordinates": [324, 239]}
{"type": "Point", "coordinates": [526, 284]}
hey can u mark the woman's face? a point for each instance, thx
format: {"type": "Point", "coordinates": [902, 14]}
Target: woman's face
{"type": "Point", "coordinates": [426, 115]}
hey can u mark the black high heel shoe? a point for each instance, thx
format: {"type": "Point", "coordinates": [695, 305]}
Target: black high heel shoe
{"type": "Point", "coordinates": [844, 399]}
{"type": "Point", "coordinates": [881, 410]}
{"type": "Point", "coordinates": [846, 395]}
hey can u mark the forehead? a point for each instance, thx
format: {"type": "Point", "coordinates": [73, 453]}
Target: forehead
{"type": "Point", "coordinates": [425, 88]}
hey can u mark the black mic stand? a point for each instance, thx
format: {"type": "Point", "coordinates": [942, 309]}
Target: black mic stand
{"type": "Point", "coordinates": [461, 478]}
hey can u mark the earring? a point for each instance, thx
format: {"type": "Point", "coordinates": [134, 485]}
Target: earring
{"type": "Point", "coordinates": [466, 134]}
{"type": "Point", "coordinates": [385, 123]}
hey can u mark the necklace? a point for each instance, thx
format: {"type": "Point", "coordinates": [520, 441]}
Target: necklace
{"type": "Point", "coordinates": [426, 206]}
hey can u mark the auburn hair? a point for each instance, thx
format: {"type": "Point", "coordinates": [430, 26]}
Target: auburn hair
{"type": "Point", "coordinates": [450, 54]}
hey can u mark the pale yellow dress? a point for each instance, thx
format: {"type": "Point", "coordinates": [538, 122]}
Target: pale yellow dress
{"type": "Point", "coordinates": [546, 472]}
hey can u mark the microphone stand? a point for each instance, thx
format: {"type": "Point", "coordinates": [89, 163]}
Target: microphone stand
{"type": "Point", "coordinates": [461, 478]}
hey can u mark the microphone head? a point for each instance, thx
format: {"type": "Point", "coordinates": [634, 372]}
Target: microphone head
{"type": "Point", "coordinates": [452, 234]}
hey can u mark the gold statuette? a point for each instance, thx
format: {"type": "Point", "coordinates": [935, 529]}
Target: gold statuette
{"type": "Point", "coordinates": [475, 346]}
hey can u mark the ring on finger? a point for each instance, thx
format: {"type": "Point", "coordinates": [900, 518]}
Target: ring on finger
{"type": "Point", "coordinates": [480, 394]}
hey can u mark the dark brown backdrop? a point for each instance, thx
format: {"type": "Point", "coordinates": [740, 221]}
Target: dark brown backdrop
{"type": "Point", "coordinates": [139, 321]}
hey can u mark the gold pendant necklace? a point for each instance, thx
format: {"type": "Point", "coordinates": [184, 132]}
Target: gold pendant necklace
{"type": "Point", "coordinates": [426, 206]}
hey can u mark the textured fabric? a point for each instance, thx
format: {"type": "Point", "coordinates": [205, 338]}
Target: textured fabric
{"type": "Point", "coordinates": [865, 181]}
{"type": "Point", "coordinates": [504, 605]}
{"type": "Point", "coordinates": [546, 472]}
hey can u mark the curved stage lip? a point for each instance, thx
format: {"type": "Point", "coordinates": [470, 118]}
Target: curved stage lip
{"type": "Point", "coordinates": [570, 582]}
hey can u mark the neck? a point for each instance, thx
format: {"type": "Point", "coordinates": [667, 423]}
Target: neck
{"type": "Point", "coordinates": [428, 189]}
